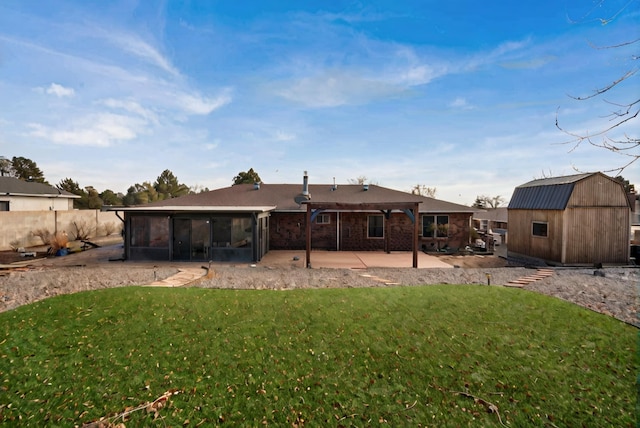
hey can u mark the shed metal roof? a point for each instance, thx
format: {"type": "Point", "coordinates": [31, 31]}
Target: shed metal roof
{"type": "Point", "coordinates": [545, 194]}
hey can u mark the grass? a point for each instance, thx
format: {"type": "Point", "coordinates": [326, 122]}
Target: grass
{"type": "Point", "coordinates": [420, 356]}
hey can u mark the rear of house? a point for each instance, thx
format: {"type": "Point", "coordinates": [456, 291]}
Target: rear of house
{"type": "Point", "coordinates": [580, 219]}
{"type": "Point", "coordinates": [243, 222]}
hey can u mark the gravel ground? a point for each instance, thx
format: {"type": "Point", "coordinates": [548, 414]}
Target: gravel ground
{"type": "Point", "coordinates": [613, 291]}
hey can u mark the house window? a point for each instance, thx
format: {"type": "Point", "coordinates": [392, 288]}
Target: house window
{"type": "Point", "coordinates": [540, 228]}
{"type": "Point", "coordinates": [376, 226]}
{"type": "Point", "coordinates": [4, 205]}
{"type": "Point", "coordinates": [435, 226]}
{"type": "Point", "coordinates": [323, 219]}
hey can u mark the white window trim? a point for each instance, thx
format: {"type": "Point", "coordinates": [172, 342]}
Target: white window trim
{"type": "Point", "coordinates": [325, 217]}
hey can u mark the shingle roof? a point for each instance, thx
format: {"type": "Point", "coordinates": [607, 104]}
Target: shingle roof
{"type": "Point", "coordinates": [493, 214]}
{"type": "Point", "coordinates": [546, 194]}
{"type": "Point", "coordinates": [283, 196]}
{"type": "Point", "coordinates": [15, 187]}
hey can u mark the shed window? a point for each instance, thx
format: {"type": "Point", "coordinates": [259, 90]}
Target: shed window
{"type": "Point", "coordinates": [540, 228]}
{"type": "Point", "coordinates": [323, 219]}
{"type": "Point", "coordinates": [376, 226]}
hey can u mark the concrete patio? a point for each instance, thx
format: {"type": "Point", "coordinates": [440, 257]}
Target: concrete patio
{"type": "Point", "coordinates": [351, 259]}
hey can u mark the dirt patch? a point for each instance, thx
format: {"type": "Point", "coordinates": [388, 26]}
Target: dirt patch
{"type": "Point", "coordinates": [474, 261]}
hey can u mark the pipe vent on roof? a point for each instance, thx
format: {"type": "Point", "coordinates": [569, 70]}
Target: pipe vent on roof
{"type": "Point", "coordinates": [256, 186]}
{"type": "Point", "coordinates": [365, 187]}
{"type": "Point", "coordinates": [305, 184]}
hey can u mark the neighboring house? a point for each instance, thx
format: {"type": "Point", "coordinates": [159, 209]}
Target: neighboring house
{"type": "Point", "coordinates": [493, 221]}
{"type": "Point", "coordinates": [243, 222]}
{"type": "Point", "coordinates": [634, 199]}
{"type": "Point", "coordinates": [579, 219]}
{"type": "Point", "coordinates": [19, 195]}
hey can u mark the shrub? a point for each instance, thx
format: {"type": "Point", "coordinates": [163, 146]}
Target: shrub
{"type": "Point", "coordinates": [110, 228]}
{"type": "Point", "coordinates": [58, 241]}
{"type": "Point", "coordinates": [15, 244]}
{"type": "Point", "coordinates": [43, 234]}
{"type": "Point", "coordinates": [82, 230]}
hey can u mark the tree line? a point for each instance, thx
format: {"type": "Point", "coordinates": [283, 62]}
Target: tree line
{"type": "Point", "coordinates": [166, 186]}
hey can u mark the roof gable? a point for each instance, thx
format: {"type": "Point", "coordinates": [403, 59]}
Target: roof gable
{"type": "Point", "coordinates": [12, 186]}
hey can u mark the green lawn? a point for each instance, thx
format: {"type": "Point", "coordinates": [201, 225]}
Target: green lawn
{"type": "Point", "coordinates": [419, 356]}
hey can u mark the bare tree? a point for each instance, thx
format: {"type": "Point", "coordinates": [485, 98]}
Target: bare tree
{"type": "Point", "coordinates": [484, 201]}
{"type": "Point", "coordinates": [362, 179]}
{"type": "Point", "coordinates": [423, 190]}
{"type": "Point", "coordinates": [611, 136]}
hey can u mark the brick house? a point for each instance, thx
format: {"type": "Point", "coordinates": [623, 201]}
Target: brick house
{"type": "Point", "coordinates": [243, 222]}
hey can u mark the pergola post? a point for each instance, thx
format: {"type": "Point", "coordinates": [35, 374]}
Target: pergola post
{"type": "Point", "coordinates": [307, 227]}
{"type": "Point", "coordinates": [416, 230]}
{"type": "Point", "coordinates": [387, 231]}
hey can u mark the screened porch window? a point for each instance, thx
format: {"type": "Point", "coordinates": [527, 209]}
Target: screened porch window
{"type": "Point", "coordinates": [234, 232]}
{"type": "Point", "coordinates": [149, 231]}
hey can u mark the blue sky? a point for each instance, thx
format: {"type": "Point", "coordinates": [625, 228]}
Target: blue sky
{"type": "Point", "coordinates": [458, 95]}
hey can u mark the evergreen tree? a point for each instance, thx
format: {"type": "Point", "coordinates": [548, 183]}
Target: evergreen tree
{"type": "Point", "coordinates": [110, 198]}
{"type": "Point", "coordinates": [249, 177]}
{"type": "Point", "coordinates": [26, 170]}
{"type": "Point", "coordinates": [71, 186]}
{"type": "Point", "coordinates": [167, 186]}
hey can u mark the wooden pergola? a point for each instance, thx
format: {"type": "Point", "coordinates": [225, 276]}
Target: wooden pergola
{"type": "Point", "coordinates": [411, 209]}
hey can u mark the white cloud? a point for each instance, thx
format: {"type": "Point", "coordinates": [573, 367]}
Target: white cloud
{"type": "Point", "coordinates": [281, 136]}
{"type": "Point", "coordinates": [213, 145]}
{"type": "Point", "coordinates": [335, 88]}
{"type": "Point", "coordinates": [100, 130]}
{"type": "Point", "coordinates": [413, 70]}
{"type": "Point", "coordinates": [419, 74]}
{"type": "Point", "coordinates": [131, 107]}
{"type": "Point", "coordinates": [461, 103]}
{"type": "Point", "coordinates": [531, 63]}
{"type": "Point", "coordinates": [196, 104]}
{"type": "Point", "coordinates": [59, 91]}
{"type": "Point", "coordinates": [134, 45]}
